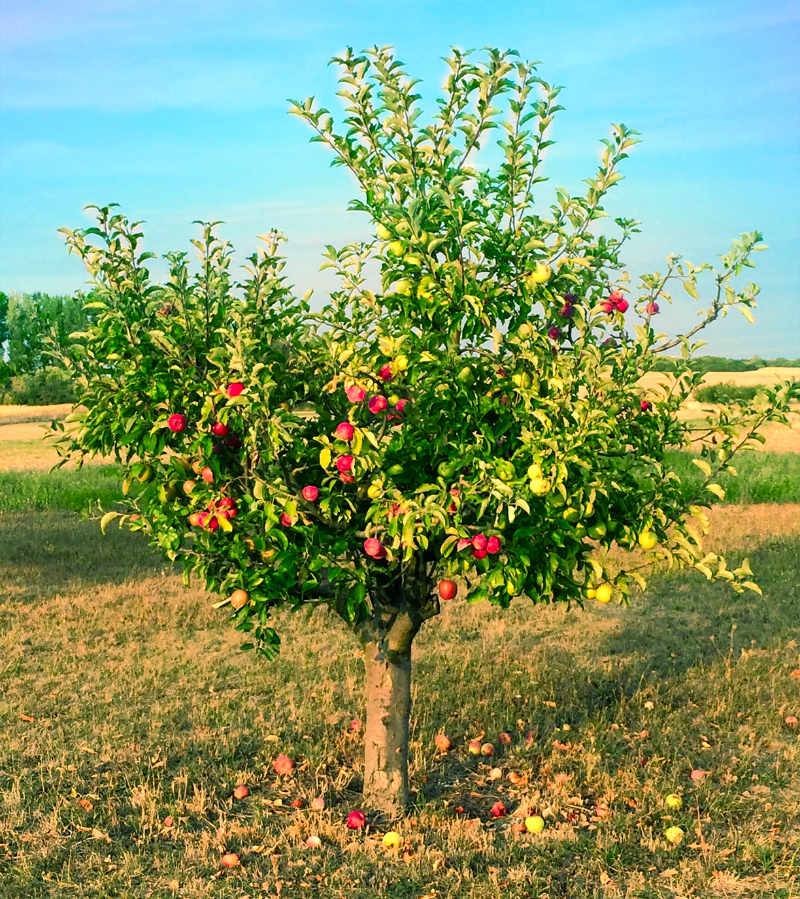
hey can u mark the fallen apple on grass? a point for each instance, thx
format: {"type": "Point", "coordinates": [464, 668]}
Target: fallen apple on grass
{"type": "Point", "coordinates": [534, 824]}
{"type": "Point", "coordinates": [356, 820]}
{"type": "Point", "coordinates": [674, 835]}
{"type": "Point", "coordinates": [283, 765]}
{"type": "Point", "coordinates": [392, 840]}
{"type": "Point", "coordinates": [241, 791]}
{"type": "Point", "coordinates": [229, 860]}
{"type": "Point", "coordinates": [442, 742]}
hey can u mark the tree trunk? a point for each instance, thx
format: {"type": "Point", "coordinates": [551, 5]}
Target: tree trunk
{"type": "Point", "coordinates": [387, 660]}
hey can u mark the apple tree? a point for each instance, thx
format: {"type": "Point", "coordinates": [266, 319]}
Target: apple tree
{"type": "Point", "coordinates": [462, 420]}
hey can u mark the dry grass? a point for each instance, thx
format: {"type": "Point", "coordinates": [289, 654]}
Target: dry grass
{"type": "Point", "coordinates": [125, 701]}
{"type": "Point", "coordinates": [770, 376]}
{"type": "Point", "coordinates": [14, 414]}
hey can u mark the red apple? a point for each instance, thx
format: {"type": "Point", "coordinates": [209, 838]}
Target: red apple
{"type": "Point", "coordinates": [169, 821]}
{"type": "Point", "coordinates": [310, 493]}
{"type": "Point", "coordinates": [447, 589]}
{"type": "Point", "coordinates": [356, 820]}
{"type": "Point", "coordinates": [474, 747]}
{"type": "Point", "coordinates": [195, 519]}
{"type": "Point", "coordinates": [297, 803]}
{"type": "Point", "coordinates": [207, 474]}
{"type": "Point", "coordinates": [652, 308]}
{"type": "Point", "coordinates": [493, 545]}
{"type": "Point", "coordinates": [554, 333]}
{"type": "Point", "coordinates": [479, 541]}
{"type": "Point", "coordinates": [442, 742]}
{"type": "Point", "coordinates": [235, 388]}
{"type": "Point", "coordinates": [499, 810]}
{"type": "Point", "coordinates": [487, 749]}
{"type": "Point", "coordinates": [374, 548]}
{"type": "Point", "coordinates": [355, 393]}
{"type": "Point", "coordinates": [344, 464]}
{"type": "Point", "coordinates": [283, 764]}
{"type": "Point", "coordinates": [504, 738]}
{"type": "Point", "coordinates": [385, 372]}
{"type": "Point", "coordinates": [790, 721]}
{"type": "Point", "coordinates": [622, 306]}
{"type": "Point", "coordinates": [480, 553]}
{"type": "Point", "coordinates": [241, 792]}
{"type": "Point", "coordinates": [176, 422]}
{"type": "Point", "coordinates": [377, 403]}
{"type": "Point", "coordinates": [355, 726]}
{"type": "Point", "coordinates": [645, 405]}
{"type": "Point", "coordinates": [344, 431]}
{"type": "Point", "coordinates": [400, 405]}
{"type": "Point", "coordinates": [229, 860]}
{"type": "Point", "coordinates": [218, 429]}
{"type": "Point", "coordinates": [287, 520]}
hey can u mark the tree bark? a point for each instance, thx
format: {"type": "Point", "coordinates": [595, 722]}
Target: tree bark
{"type": "Point", "coordinates": [387, 662]}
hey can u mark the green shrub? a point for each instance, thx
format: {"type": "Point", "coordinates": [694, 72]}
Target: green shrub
{"type": "Point", "coordinates": [726, 393]}
{"type": "Point", "coordinates": [41, 388]}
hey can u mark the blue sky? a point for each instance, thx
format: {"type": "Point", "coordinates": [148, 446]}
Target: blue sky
{"type": "Point", "coordinates": [178, 111]}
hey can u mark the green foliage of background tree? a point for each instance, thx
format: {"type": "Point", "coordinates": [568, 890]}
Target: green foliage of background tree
{"type": "Point", "coordinates": [477, 417]}
{"type": "Point", "coordinates": [37, 323]}
{"type": "Point", "coordinates": [3, 322]}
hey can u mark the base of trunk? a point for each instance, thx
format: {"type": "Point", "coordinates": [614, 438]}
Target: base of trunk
{"type": "Point", "coordinates": [387, 661]}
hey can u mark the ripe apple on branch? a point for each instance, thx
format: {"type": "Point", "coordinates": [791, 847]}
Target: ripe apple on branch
{"type": "Point", "coordinates": [469, 427]}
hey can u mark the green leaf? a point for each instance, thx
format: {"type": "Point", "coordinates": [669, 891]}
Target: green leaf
{"type": "Point", "coordinates": [106, 520]}
{"type": "Point", "coordinates": [745, 310]}
{"type": "Point", "coordinates": [703, 466]}
{"type": "Point", "coordinates": [716, 490]}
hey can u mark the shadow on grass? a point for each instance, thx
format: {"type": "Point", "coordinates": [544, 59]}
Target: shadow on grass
{"type": "Point", "coordinates": [683, 621]}
{"type": "Point", "coordinates": [588, 673]}
{"type": "Point", "coordinates": [52, 552]}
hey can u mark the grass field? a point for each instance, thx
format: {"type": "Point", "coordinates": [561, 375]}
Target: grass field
{"type": "Point", "coordinates": [127, 715]}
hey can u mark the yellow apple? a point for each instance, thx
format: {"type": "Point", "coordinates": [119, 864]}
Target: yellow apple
{"type": "Point", "coordinates": [392, 840]}
{"type": "Point", "coordinates": [534, 823]}
{"type": "Point", "coordinates": [674, 835]}
{"type": "Point", "coordinates": [539, 486]}
{"type": "Point", "coordinates": [604, 593]}
{"type": "Point", "coordinates": [383, 232]}
{"type": "Point", "coordinates": [647, 539]}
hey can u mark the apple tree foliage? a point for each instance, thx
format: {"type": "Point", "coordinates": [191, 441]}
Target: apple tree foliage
{"type": "Point", "coordinates": [467, 404]}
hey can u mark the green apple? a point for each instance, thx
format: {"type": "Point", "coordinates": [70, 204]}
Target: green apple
{"type": "Point", "coordinates": [598, 531]}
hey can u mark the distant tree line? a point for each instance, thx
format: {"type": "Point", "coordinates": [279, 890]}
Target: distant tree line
{"type": "Point", "coordinates": [31, 327]}
{"type": "Point", "coordinates": [722, 363]}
